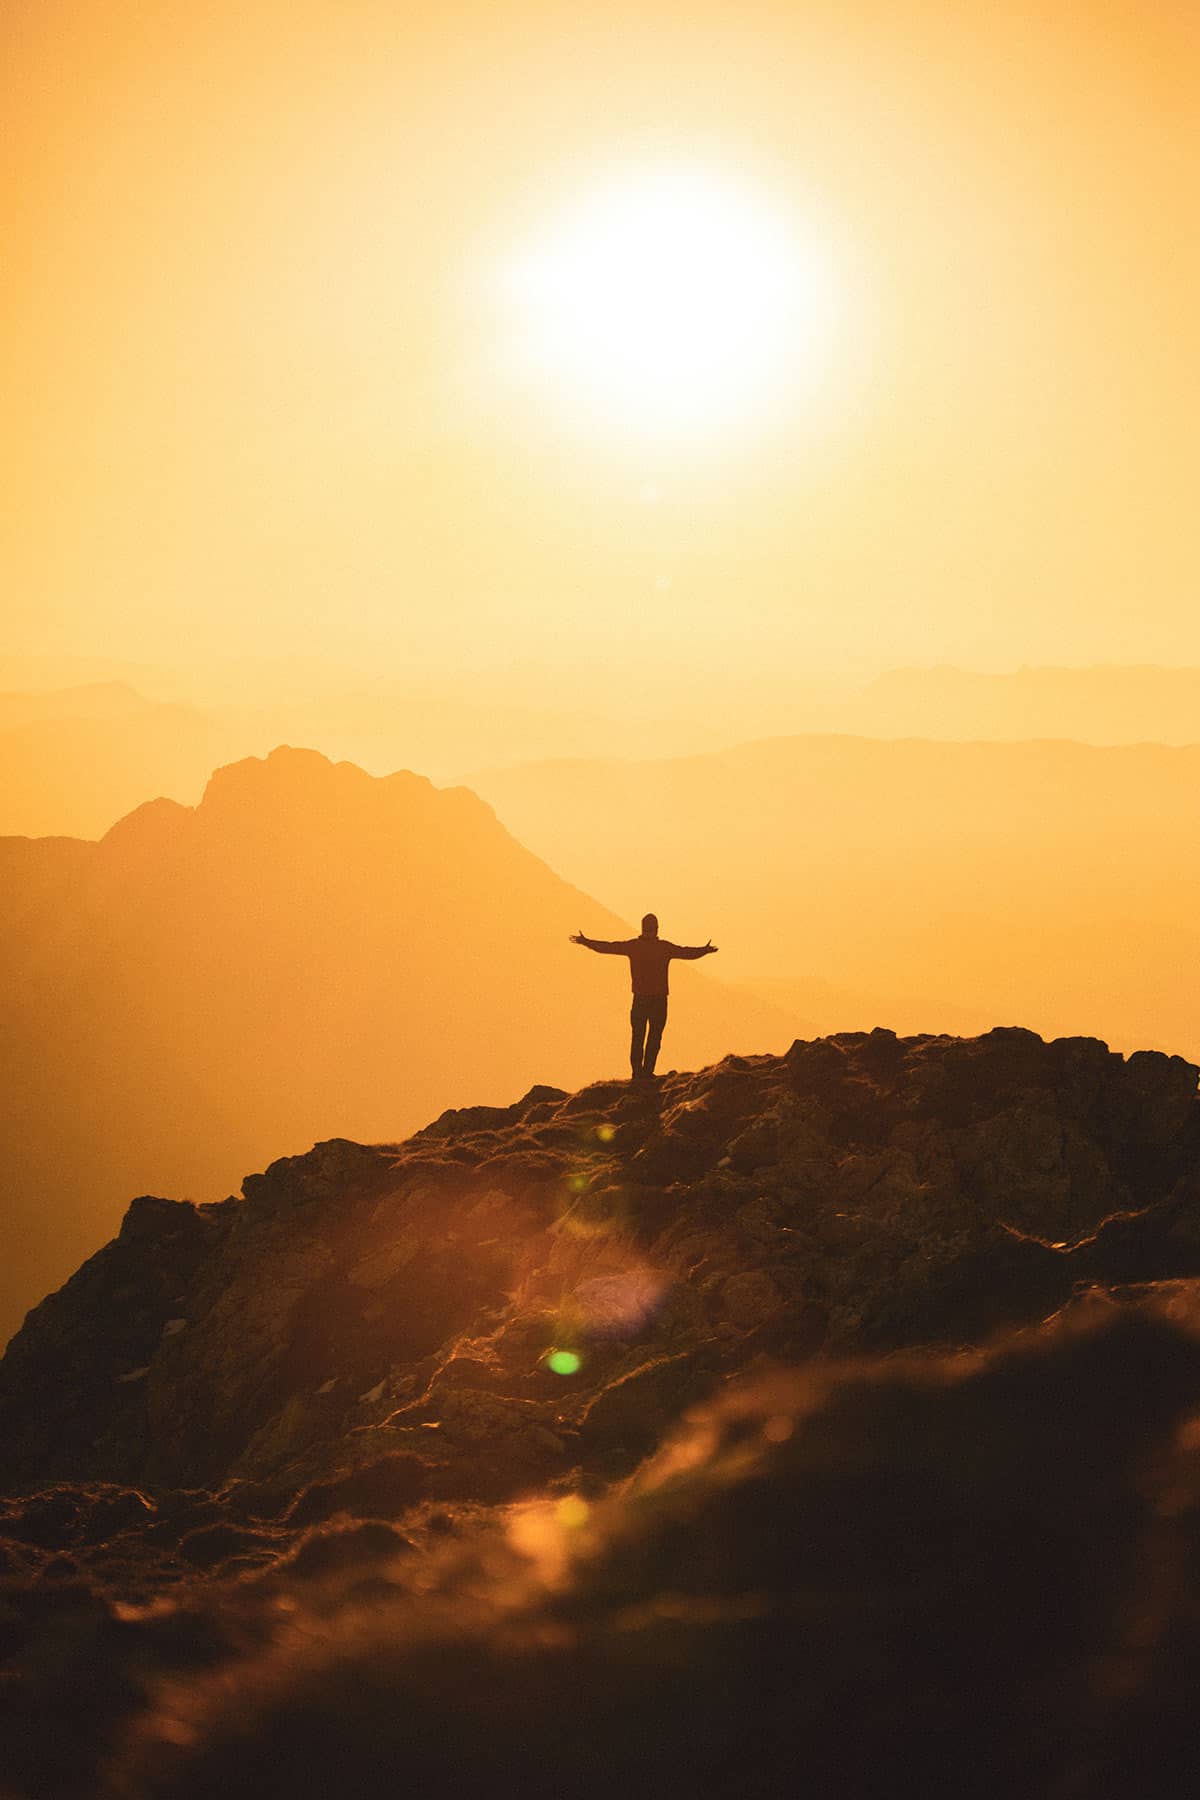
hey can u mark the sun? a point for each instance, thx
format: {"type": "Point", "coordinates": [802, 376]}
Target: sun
{"type": "Point", "coordinates": [669, 304]}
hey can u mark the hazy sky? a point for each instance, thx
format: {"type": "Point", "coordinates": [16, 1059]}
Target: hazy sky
{"type": "Point", "coordinates": [263, 378]}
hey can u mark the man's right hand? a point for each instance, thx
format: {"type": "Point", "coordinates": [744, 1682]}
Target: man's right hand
{"type": "Point", "coordinates": [579, 939]}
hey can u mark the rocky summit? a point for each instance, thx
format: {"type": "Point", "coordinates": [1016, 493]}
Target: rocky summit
{"type": "Point", "coordinates": [828, 1420]}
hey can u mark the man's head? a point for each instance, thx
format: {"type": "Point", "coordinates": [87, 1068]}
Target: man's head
{"type": "Point", "coordinates": [650, 925]}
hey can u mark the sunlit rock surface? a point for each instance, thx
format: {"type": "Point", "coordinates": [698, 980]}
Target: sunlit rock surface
{"type": "Point", "coordinates": [822, 1420]}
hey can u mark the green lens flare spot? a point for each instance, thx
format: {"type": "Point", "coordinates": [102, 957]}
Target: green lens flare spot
{"type": "Point", "coordinates": [578, 1183]}
{"type": "Point", "coordinates": [565, 1362]}
{"type": "Point", "coordinates": [606, 1133]}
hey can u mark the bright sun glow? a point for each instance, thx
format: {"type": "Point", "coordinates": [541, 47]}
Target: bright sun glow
{"type": "Point", "coordinates": [672, 304]}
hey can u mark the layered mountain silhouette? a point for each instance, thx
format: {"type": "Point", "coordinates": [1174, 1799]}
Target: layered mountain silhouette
{"type": "Point", "coordinates": [920, 884]}
{"type": "Point", "coordinates": [813, 1416]}
{"type": "Point", "coordinates": [75, 759]}
{"type": "Point", "coordinates": [309, 952]}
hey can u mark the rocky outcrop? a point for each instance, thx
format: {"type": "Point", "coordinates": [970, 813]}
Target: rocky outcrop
{"type": "Point", "coordinates": [907, 1328]}
{"type": "Point", "coordinates": [860, 1192]}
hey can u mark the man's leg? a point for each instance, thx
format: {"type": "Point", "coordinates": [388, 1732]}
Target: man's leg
{"type": "Point", "coordinates": [637, 1035]}
{"type": "Point", "coordinates": [656, 1019]}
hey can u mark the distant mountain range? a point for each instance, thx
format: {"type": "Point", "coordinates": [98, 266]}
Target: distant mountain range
{"type": "Point", "coordinates": [311, 952]}
{"type": "Point", "coordinates": [75, 759]}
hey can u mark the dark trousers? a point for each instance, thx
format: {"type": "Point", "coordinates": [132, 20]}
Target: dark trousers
{"type": "Point", "coordinates": [647, 1016]}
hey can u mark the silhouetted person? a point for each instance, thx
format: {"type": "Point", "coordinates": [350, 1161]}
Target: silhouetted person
{"type": "Point", "coordinates": [649, 958]}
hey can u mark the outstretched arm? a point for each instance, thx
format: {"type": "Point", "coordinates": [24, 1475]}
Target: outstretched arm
{"type": "Point", "coordinates": [598, 944]}
{"type": "Point", "coordinates": [689, 952]}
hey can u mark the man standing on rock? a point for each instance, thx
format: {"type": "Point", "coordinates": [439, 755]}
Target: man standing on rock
{"type": "Point", "coordinates": [649, 958]}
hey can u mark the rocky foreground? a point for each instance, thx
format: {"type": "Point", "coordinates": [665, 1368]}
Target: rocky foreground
{"type": "Point", "coordinates": [828, 1421]}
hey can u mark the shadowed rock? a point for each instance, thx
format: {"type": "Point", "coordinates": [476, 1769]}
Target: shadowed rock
{"type": "Point", "coordinates": [859, 1191]}
{"type": "Point", "coordinates": [378, 1407]}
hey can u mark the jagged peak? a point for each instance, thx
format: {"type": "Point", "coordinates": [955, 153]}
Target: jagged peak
{"type": "Point", "coordinates": [288, 769]}
{"type": "Point", "coordinates": [292, 775]}
{"type": "Point", "coordinates": [151, 823]}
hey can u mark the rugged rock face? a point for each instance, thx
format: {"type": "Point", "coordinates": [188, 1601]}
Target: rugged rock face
{"type": "Point", "coordinates": [908, 1330]}
{"type": "Point", "coordinates": [859, 1192]}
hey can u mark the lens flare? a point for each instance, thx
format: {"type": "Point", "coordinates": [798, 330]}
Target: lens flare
{"type": "Point", "coordinates": [572, 1512]}
{"type": "Point", "coordinates": [618, 1304]}
{"type": "Point", "coordinates": [595, 1213]}
{"type": "Point", "coordinates": [564, 1362]}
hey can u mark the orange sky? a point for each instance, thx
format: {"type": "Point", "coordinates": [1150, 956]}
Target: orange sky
{"type": "Point", "coordinates": [254, 376]}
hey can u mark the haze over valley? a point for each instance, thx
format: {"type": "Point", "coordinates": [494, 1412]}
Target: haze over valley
{"type": "Point", "coordinates": [77, 754]}
{"type": "Point", "coordinates": [923, 885]}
